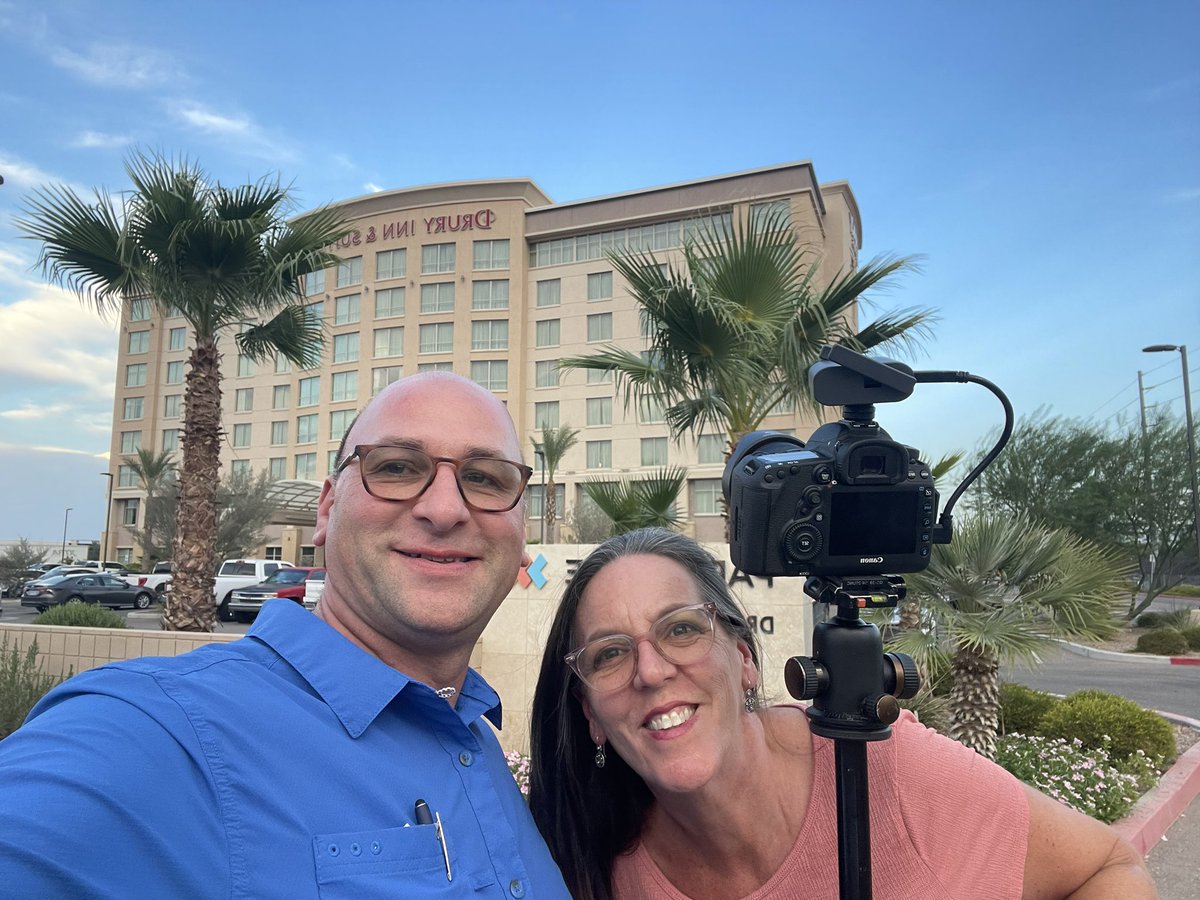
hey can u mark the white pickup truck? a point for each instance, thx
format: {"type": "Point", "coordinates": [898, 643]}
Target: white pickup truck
{"type": "Point", "coordinates": [240, 573]}
{"type": "Point", "coordinates": [157, 580]}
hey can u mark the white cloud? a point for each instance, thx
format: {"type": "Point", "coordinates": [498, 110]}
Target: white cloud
{"type": "Point", "coordinates": [91, 139]}
{"type": "Point", "coordinates": [32, 411]}
{"type": "Point", "coordinates": [118, 65]}
{"type": "Point", "coordinates": [246, 134]}
{"type": "Point", "coordinates": [70, 451]}
{"type": "Point", "coordinates": [372, 187]}
{"type": "Point", "coordinates": [20, 174]}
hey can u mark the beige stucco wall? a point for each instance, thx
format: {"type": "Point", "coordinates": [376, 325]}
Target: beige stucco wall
{"type": "Point", "coordinates": [508, 654]}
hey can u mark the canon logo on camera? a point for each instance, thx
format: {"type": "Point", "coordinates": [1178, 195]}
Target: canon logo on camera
{"type": "Point", "coordinates": [871, 559]}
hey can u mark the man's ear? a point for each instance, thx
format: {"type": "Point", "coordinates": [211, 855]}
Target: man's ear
{"type": "Point", "coordinates": [526, 559]}
{"type": "Point", "coordinates": [324, 506]}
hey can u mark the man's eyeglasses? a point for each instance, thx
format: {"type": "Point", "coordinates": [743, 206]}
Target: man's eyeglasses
{"type": "Point", "coordinates": [403, 473]}
{"type": "Point", "coordinates": [681, 637]}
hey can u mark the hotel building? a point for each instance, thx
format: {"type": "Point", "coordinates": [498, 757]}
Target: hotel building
{"type": "Point", "coordinates": [490, 279]}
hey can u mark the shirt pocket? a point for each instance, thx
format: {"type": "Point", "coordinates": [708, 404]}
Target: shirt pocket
{"type": "Point", "coordinates": [384, 862]}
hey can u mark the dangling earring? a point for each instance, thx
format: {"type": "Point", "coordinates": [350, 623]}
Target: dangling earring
{"type": "Point", "coordinates": [601, 759]}
{"type": "Point", "coordinates": [751, 702]}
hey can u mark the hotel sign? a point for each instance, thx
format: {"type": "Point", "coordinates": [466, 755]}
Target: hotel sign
{"type": "Point", "coordinates": [479, 220]}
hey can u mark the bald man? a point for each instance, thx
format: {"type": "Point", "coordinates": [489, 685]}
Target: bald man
{"type": "Point", "coordinates": [328, 755]}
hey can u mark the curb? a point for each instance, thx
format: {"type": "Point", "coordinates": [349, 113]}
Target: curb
{"type": "Point", "coordinates": [1157, 811]}
{"type": "Point", "coordinates": [1094, 653]}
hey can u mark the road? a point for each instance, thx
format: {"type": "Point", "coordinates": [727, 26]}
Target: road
{"type": "Point", "coordinates": [11, 612]}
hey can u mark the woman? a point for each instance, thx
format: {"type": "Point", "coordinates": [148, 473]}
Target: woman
{"type": "Point", "coordinates": [657, 771]}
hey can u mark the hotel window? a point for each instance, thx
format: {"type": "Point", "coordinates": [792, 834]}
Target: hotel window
{"type": "Point", "coordinates": [129, 512]}
{"type": "Point", "coordinates": [306, 429]}
{"type": "Point", "coordinates": [651, 409]}
{"type": "Point", "coordinates": [437, 297]}
{"type": "Point", "coordinates": [172, 406]}
{"type": "Point", "coordinates": [549, 293]}
{"type": "Point", "coordinates": [306, 466]}
{"type": "Point", "coordinates": [389, 303]}
{"type": "Point", "coordinates": [277, 468]}
{"type": "Point", "coordinates": [491, 373]}
{"type": "Point", "coordinates": [776, 212]}
{"type": "Point", "coordinates": [382, 377]}
{"type": "Point", "coordinates": [437, 258]}
{"type": "Point", "coordinates": [435, 367]}
{"type": "Point", "coordinates": [437, 338]}
{"type": "Point", "coordinates": [345, 347]}
{"type": "Point", "coordinates": [545, 414]}
{"type": "Point", "coordinates": [599, 327]}
{"type": "Point", "coordinates": [170, 439]}
{"type": "Point", "coordinates": [706, 497]}
{"type": "Point", "coordinates": [339, 423]}
{"type": "Point", "coordinates": [786, 405]}
{"type": "Point", "coordinates": [344, 386]}
{"type": "Point", "coordinates": [310, 391]}
{"type": "Point", "coordinates": [599, 410]}
{"type": "Point", "coordinates": [175, 372]}
{"type": "Point", "coordinates": [243, 400]}
{"type": "Point", "coordinates": [711, 448]}
{"type": "Point", "coordinates": [282, 364]}
{"type": "Point", "coordinates": [654, 451]}
{"type": "Point", "coordinates": [599, 454]}
{"type": "Point", "coordinates": [489, 294]}
{"type": "Point", "coordinates": [491, 255]}
{"type": "Point", "coordinates": [547, 333]}
{"type": "Point", "coordinates": [349, 271]}
{"type": "Point", "coordinates": [177, 339]}
{"type": "Point", "coordinates": [545, 373]}
{"type": "Point", "coordinates": [275, 553]}
{"type": "Point", "coordinates": [389, 342]}
{"type": "Point", "coordinates": [534, 505]}
{"type": "Point", "coordinates": [390, 264]}
{"type": "Point", "coordinates": [315, 312]}
{"type": "Point", "coordinates": [135, 375]}
{"type": "Point", "coordinates": [240, 467]}
{"type": "Point", "coordinates": [245, 366]}
{"type": "Point", "coordinates": [489, 334]}
{"type": "Point", "coordinates": [241, 435]}
{"type": "Point", "coordinates": [599, 376]}
{"type": "Point", "coordinates": [345, 309]}
{"type": "Point", "coordinates": [331, 462]}
{"type": "Point", "coordinates": [279, 433]}
{"type": "Point", "coordinates": [126, 477]}
{"type": "Point", "coordinates": [281, 396]}
{"type": "Point", "coordinates": [314, 283]}
{"type": "Point", "coordinates": [131, 441]}
{"type": "Point", "coordinates": [133, 408]}
{"type": "Point", "coordinates": [139, 342]}
{"type": "Point", "coordinates": [139, 310]}
{"type": "Point", "coordinates": [599, 286]}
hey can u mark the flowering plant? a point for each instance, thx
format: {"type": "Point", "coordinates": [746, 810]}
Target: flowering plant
{"type": "Point", "coordinates": [1084, 779]}
{"type": "Point", "coordinates": [518, 764]}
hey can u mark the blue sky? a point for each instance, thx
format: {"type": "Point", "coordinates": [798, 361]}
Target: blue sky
{"type": "Point", "coordinates": [1043, 158]}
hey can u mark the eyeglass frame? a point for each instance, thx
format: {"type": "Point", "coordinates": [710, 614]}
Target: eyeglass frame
{"type": "Point", "coordinates": [361, 451]}
{"type": "Point", "coordinates": [714, 616]}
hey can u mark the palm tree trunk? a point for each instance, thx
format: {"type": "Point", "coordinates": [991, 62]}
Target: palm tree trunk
{"type": "Point", "coordinates": [550, 511]}
{"type": "Point", "coordinates": [975, 699]}
{"type": "Point", "coordinates": [190, 605]}
{"type": "Point", "coordinates": [910, 613]}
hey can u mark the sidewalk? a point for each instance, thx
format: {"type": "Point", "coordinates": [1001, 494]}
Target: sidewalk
{"type": "Point", "coordinates": [1173, 860]}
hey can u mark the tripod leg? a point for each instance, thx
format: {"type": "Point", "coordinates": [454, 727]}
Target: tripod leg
{"type": "Point", "coordinates": [854, 821]}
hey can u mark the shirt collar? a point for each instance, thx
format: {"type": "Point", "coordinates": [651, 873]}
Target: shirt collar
{"type": "Point", "coordinates": [356, 685]}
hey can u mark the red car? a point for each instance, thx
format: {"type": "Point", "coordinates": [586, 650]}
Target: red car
{"type": "Point", "coordinates": [290, 583]}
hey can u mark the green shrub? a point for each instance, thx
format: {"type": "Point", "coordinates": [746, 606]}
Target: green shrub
{"type": "Point", "coordinates": [1149, 620]}
{"type": "Point", "coordinates": [1192, 636]}
{"type": "Point", "coordinates": [87, 615]}
{"type": "Point", "coordinates": [1102, 720]}
{"type": "Point", "coordinates": [1177, 618]}
{"type": "Point", "coordinates": [1163, 642]}
{"type": "Point", "coordinates": [1022, 709]}
{"type": "Point", "coordinates": [22, 684]}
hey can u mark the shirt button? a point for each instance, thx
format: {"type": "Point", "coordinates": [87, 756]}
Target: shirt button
{"type": "Point", "coordinates": [333, 850]}
{"type": "Point", "coordinates": [355, 849]}
{"type": "Point", "coordinates": [516, 888]}
{"type": "Point", "coordinates": [375, 848]}
{"type": "Point", "coordinates": [465, 758]}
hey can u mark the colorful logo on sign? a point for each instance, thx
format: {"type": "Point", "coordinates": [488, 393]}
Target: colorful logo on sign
{"type": "Point", "coordinates": [532, 573]}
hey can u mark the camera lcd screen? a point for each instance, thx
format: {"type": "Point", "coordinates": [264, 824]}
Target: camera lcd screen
{"type": "Point", "coordinates": [873, 522]}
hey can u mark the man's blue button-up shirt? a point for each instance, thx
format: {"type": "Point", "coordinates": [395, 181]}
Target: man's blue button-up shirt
{"type": "Point", "coordinates": [285, 764]}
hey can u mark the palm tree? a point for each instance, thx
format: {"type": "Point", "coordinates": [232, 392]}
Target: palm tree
{"type": "Point", "coordinates": [225, 259]}
{"type": "Point", "coordinates": [157, 474]}
{"type": "Point", "coordinates": [634, 503]}
{"type": "Point", "coordinates": [734, 331]}
{"type": "Point", "coordinates": [1000, 593]}
{"type": "Point", "coordinates": [553, 447]}
{"type": "Point", "coordinates": [153, 470]}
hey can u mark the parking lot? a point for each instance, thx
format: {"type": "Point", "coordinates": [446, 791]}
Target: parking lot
{"type": "Point", "coordinates": [11, 612]}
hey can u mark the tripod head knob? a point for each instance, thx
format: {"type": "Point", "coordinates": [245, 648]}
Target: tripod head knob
{"type": "Point", "coordinates": [901, 678]}
{"type": "Point", "coordinates": [883, 708]}
{"type": "Point", "coordinates": [805, 678]}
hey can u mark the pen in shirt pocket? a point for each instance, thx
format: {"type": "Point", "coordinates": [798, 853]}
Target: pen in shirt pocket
{"type": "Point", "coordinates": [424, 817]}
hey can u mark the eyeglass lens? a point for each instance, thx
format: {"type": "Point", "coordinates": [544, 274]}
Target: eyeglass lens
{"type": "Point", "coordinates": [400, 473]}
{"type": "Point", "coordinates": [681, 637]}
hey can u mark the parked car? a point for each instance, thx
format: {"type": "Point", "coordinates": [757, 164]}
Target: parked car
{"type": "Point", "coordinates": [113, 568]}
{"type": "Point", "coordinates": [14, 582]}
{"type": "Point", "coordinates": [158, 580]}
{"type": "Point", "coordinates": [314, 587]}
{"type": "Point", "coordinates": [235, 574]}
{"type": "Point", "coordinates": [55, 572]}
{"type": "Point", "coordinates": [94, 587]}
{"type": "Point", "coordinates": [289, 583]}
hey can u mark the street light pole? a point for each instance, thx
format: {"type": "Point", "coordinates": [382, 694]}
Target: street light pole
{"type": "Point", "coordinates": [62, 556]}
{"type": "Point", "coordinates": [1191, 437]}
{"type": "Point", "coordinates": [542, 462]}
{"type": "Point", "coordinates": [107, 519]}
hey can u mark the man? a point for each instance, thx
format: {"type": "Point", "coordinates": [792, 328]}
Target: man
{"type": "Point", "coordinates": [340, 754]}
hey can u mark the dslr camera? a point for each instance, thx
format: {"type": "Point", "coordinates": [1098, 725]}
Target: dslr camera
{"type": "Point", "coordinates": [849, 502]}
